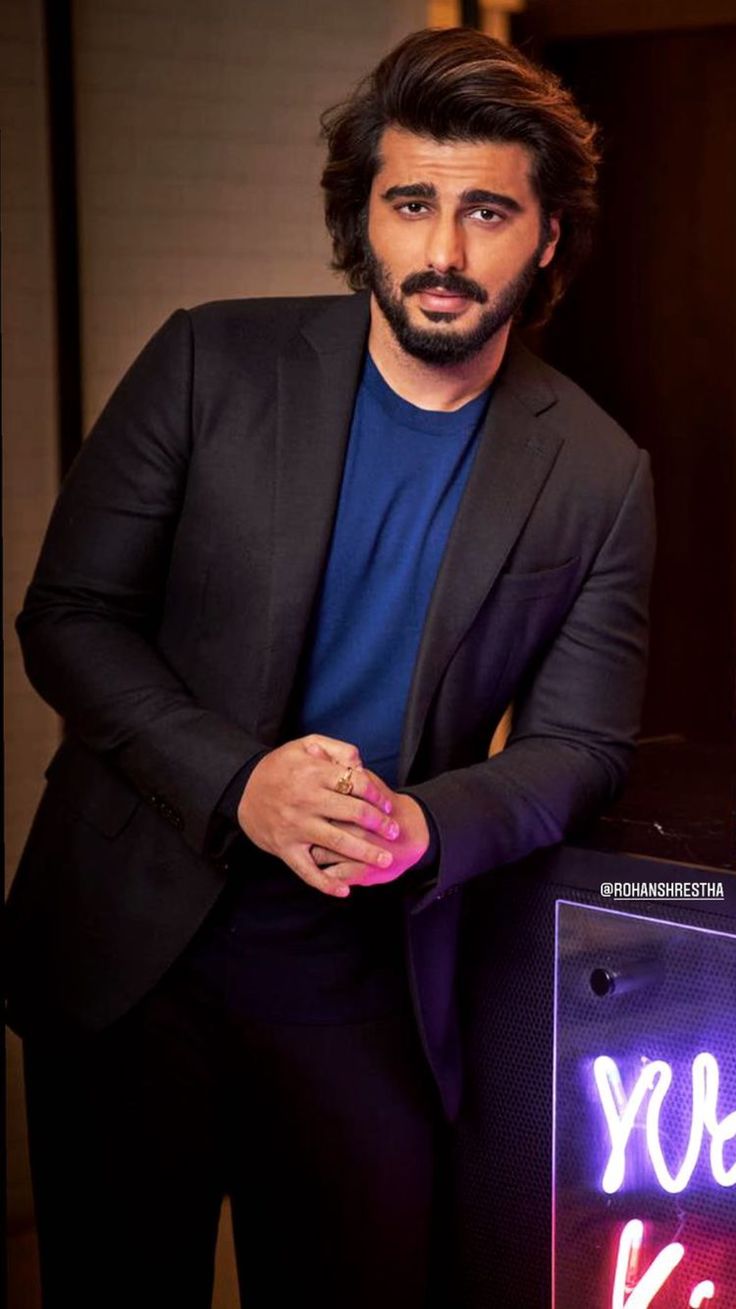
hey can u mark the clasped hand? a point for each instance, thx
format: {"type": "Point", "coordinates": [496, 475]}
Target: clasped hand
{"type": "Point", "coordinates": [291, 809]}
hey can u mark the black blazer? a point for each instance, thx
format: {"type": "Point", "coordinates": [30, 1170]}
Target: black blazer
{"type": "Point", "coordinates": [169, 608]}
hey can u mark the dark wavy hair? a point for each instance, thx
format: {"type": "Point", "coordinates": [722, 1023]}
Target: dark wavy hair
{"type": "Point", "coordinates": [455, 84]}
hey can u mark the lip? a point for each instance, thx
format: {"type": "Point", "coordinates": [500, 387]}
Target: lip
{"type": "Point", "coordinates": [443, 301]}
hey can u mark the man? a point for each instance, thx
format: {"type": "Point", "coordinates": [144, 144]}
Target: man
{"type": "Point", "coordinates": [308, 556]}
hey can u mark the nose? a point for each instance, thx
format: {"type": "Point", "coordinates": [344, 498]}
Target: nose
{"type": "Point", "coordinates": [445, 244]}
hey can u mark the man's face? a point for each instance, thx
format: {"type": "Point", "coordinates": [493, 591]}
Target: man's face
{"type": "Point", "coordinates": [454, 241]}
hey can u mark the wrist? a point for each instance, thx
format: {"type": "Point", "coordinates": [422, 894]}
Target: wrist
{"type": "Point", "coordinates": [413, 823]}
{"type": "Point", "coordinates": [430, 852]}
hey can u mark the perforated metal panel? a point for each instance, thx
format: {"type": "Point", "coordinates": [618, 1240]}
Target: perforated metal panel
{"type": "Point", "coordinates": [645, 1113]}
{"type": "Point", "coordinates": [503, 1177]}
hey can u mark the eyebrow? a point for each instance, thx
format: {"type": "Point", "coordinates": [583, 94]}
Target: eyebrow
{"type": "Point", "coordinates": [476, 196]}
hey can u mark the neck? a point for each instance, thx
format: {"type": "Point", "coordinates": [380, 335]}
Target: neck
{"type": "Point", "coordinates": [433, 386]}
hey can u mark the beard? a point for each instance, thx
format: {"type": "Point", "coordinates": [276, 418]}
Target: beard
{"type": "Point", "coordinates": [446, 347]}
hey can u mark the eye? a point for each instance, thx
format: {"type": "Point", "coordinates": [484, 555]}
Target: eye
{"type": "Point", "coordinates": [411, 207]}
{"type": "Point", "coordinates": [489, 217]}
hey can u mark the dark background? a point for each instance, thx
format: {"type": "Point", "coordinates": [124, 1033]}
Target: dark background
{"type": "Point", "coordinates": [649, 330]}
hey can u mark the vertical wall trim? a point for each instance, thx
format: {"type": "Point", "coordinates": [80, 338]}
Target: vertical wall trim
{"type": "Point", "coordinates": [63, 155]}
{"type": "Point", "coordinates": [470, 13]}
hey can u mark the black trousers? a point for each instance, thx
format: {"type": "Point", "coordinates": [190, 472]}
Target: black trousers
{"type": "Point", "coordinates": [329, 1140]}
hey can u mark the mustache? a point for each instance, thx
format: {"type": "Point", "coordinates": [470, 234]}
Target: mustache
{"type": "Point", "coordinates": [453, 283]}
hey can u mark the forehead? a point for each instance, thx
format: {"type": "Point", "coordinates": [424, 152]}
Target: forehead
{"type": "Point", "coordinates": [454, 166]}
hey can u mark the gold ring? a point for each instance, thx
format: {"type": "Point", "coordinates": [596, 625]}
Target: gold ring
{"type": "Point", "coordinates": [344, 783]}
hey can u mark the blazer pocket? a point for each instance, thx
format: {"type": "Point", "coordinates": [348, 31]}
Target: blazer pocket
{"type": "Point", "coordinates": [544, 581]}
{"type": "Point", "coordinates": [87, 785]}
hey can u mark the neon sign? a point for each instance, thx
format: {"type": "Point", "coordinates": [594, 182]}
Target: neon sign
{"type": "Point", "coordinates": [652, 1085]}
{"type": "Point", "coordinates": [644, 1114]}
{"type": "Point", "coordinates": [630, 1291]}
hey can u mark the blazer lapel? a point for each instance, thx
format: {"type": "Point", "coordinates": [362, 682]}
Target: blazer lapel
{"type": "Point", "coordinates": [513, 461]}
{"type": "Point", "coordinates": [318, 379]}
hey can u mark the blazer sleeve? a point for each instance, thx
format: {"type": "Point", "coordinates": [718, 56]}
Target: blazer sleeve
{"type": "Point", "coordinates": [575, 719]}
{"type": "Point", "coordinates": [89, 621]}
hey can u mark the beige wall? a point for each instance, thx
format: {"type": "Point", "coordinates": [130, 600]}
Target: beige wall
{"type": "Point", "coordinates": [29, 482]}
{"type": "Point", "coordinates": [29, 403]}
{"type": "Point", "coordinates": [199, 157]}
{"type": "Point", "coordinates": [198, 179]}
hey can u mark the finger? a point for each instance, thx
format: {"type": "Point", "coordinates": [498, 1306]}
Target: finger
{"type": "Point", "coordinates": [322, 857]}
{"type": "Point", "coordinates": [301, 862]}
{"type": "Point", "coordinates": [348, 871]}
{"type": "Point", "coordinates": [372, 788]}
{"type": "Point", "coordinates": [364, 784]}
{"type": "Point", "coordinates": [341, 752]}
{"type": "Point", "coordinates": [350, 809]}
{"type": "Point", "coordinates": [350, 845]}
{"type": "Point", "coordinates": [342, 869]}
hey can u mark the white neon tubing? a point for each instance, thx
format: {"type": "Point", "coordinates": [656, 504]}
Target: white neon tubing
{"type": "Point", "coordinates": [641, 1295]}
{"type": "Point", "coordinates": [703, 1291]}
{"type": "Point", "coordinates": [655, 1080]}
{"type": "Point", "coordinates": [675, 1184]}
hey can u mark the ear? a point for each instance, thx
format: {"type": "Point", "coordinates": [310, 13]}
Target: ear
{"type": "Point", "coordinates": [549, 248]}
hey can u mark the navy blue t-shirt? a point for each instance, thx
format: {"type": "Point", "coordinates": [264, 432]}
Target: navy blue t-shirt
{"type": "Point", "coordinates": [404, 474]}
{"type": "Point", "coordinates": [292, 953]}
